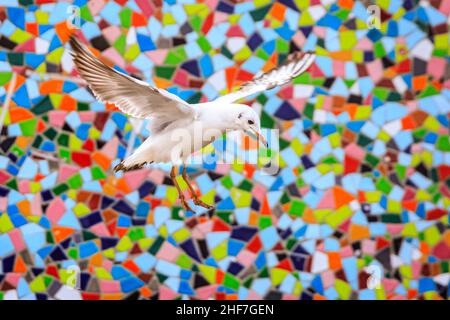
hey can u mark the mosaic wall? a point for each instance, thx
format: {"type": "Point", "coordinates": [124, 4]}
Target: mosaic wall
{"type": "Point", "coordinates": [358, 210]}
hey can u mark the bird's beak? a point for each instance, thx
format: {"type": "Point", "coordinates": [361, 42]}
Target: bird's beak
{"type": "Point", "coordinates": [260, 137]}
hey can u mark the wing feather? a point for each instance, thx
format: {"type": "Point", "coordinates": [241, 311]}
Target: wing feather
{"type": "Point", "coordinates": [279, 76]}
{"type": "Point", "coordinates": [130, 95]}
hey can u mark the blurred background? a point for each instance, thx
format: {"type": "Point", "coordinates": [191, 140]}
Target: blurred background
{"type": "Point", "coordinates": [358, 209]}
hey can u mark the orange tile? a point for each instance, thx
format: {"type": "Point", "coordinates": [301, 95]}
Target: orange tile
{"type": "Point", "coordinates": [447, 237]}
{"type": "Point", "coordinates": [253, 218]}
{"type": "Point", "coordinates": [51, 86]}
{"type": "Point", "coordinates": [342, 197]}
{"type": "Point", "coordinates": [230, 74]}
{"type": "Point", "coordinates": [138, 20]}
{"type": "Point", "coordinates": [161, 83]}
{"type": "Point", "coordinates": [412, 293]}
{"type": "Point", "coordinates": [308, 216]}
{"type": "Point", "coordinates": [130, 265]}
{"type": "Point", "coordinates": [62, 233]}
{"type": "Point", "coordinates": [348, 4]}
{"type": "Point", "coordinates": [102, 160]}
{"type": "Point", "coordinates": [20, 114]}
{"type": "Point", "coordinates": [358, 232]}
{"type": "Point", "coordinates": [146, 292]}
{"type": "Point", "coordinates": [278, 11]}
{"type": "Point", "coordinates": [410, 205]}
{"type": "Point", "coordinates": [63, 31]}
{"type": "Point", "coordinates": [334, 260]}
{"type": "Point", "coordinates": [24, 207]}
{"type": "Point", "coordinates": [317, 296]}
{"type": "Point", "coordinates": [265, 208]}
{"type": "Point", "coordinates": [23, 142]}
{"type": "Point", "coordinates": [20, 266]}
{"type": "Point", "coordinates": [344, 55]}
{"type": "Point", "coordinates": [408, 122]}
{"type": "Point", "coordinates": [249, 143]}
{"type": "Point", "coordinates": [96, 260]}
{"type": "Point", "coordinates": [249, 169]}
{"type": "Point", "coordinates": [424, 248]}
{"type": "Point", "coordinates": [68, 103]}
{"type": "Point", "coordinates": [123, 186]}
{"type": "Point", "coordinates": [41, 126]}
{"type": "Point", "coordinates": [32, 27]}
{"type": "Point", "coordinates": [112, 296]}
{"type": "Point", "coordinates": [419, 82]}
{"type": "Point", "coordinates": [220, 275]}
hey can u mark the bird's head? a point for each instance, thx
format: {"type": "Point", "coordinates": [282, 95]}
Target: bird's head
{"type": "Point", "coordinates": [247, 120]}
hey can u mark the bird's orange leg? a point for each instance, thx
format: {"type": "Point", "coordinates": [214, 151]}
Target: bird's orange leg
{"type": "Point", "coordinates": [194, 196]}
{"type": "Point", "coordinates": [173, 175]}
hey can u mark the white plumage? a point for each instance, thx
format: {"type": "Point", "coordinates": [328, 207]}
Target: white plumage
{"type": "Point", "coordinates": [175, 124]}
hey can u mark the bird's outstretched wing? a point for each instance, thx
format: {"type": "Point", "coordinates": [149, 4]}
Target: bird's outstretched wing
{"type": "Point", "coordinates": [130, 95]}
{"type": "Point", "coordinates": [291, 68]}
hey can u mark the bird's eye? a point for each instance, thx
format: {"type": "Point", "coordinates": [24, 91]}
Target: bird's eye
{"type": "Point", "coordinates": [251, 122]}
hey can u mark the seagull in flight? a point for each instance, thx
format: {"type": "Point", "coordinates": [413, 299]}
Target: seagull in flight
{"type": "Point", "coordinates": [173, 118]}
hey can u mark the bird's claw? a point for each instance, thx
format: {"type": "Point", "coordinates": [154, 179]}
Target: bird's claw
{"type": "Point", "coordinates": [186, 205]}
{"type": "Point", "coordinates": [199, 202]}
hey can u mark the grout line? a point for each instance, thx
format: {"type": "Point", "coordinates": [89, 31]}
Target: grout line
{"type": "Point", "coordinates": [136, 126]}
{"type": "Point", "coordinates": [55, 76]}
{"type": "Point", "coordinates": [5, 108]}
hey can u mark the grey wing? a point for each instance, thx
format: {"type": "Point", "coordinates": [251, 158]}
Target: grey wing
{"type": "Point", "coordinates": [131, 96]}
{"type": "Point", "coordinates": [279, 76]}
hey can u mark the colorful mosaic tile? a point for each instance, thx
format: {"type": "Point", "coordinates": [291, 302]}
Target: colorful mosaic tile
{"type": "Point", "coordinates": [364, 182]}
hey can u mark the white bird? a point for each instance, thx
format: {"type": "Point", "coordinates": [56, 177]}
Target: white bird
{"type": "Point", "coordinates": [172, 118]}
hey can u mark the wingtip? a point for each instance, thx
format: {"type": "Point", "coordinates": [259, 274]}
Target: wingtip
{"type": "Point", "coordinates": [74, 42]}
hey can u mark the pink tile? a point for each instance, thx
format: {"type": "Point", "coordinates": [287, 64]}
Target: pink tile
{"type": "Point", "coordinates": [24, 186]}
{"type": "Point", "coordinates": [36, 206]}
{"type": "Point", "coordinates": [364, 44]}
{"type": "Point", "coordinates": [168, 252]}
{"type": "Point", "coordinates": [338, 68]}
{"type": "Point", "coordinates": [436, 67]}
{"type": "Point", "coordinates": [389, 284]}
{"type": "Point", "coordinates": [346, 251]}
{"type": "Point", "coordinates": [13, 278]}
{"type": "Point", "coordinates": [166, 293]}
{"type": "Point", "coordinates": [328, 279]}
{"type": "Point", "coordinates": [100, 229]}
{"type": "Point", "coordinates": [110, 148]}
{"type": "Point", "coordinates": [112, 54]}
{"type": "Point", "coordinates": [299, 39]}
{"type": "Point", "coordinates": [157, 56]}
{"type": "Point", "coordinates": [95, 6]}
{"type": "Point", "coordinates": [109, 286]}
{"type": "Point", "coordinates": [3, 203]}
{"type": "Point", "coordinates": [156, 176]}
{"type": "Point", "coordinates": [206, 292]}
{"type": "Point", "coordinates": [246, 258]}
{"type": "Point", "coordinates": [66, 171]}
{"type": "Point", "coordinates": [55, 210]}
{"type": "Point", "coordinates": [87, 116]}
{"type": "Point", "coordinates": [16, 238]}
{"type": "Point", "coordinates": [368, 246]}
{"type": "Point", "coordinates": [375, 70]}
{"type": "Point", "coordinates": [146, 7]}
{"type": "Point", "coordinates": [111, 33]}
{"type": "Point", "coordinates": [57, 117]}
{"type": "Point", "coordinates": [355, 151]}
{"type": "Point", "coordinates": [327, 201]}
